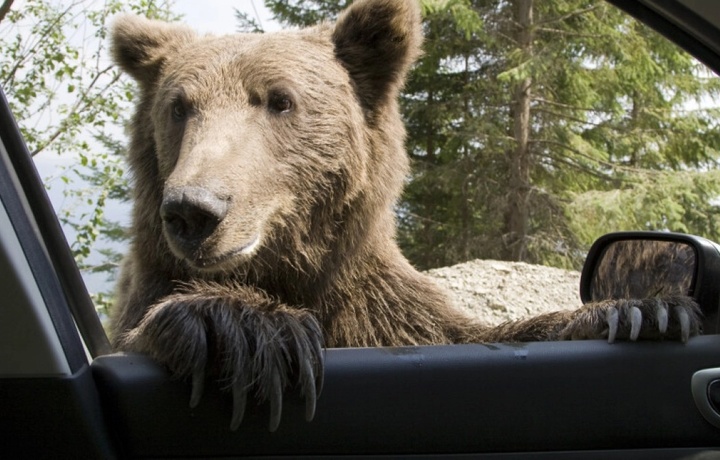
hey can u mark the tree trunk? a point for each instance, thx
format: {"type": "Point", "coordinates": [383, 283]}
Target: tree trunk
{"type": "Point", "coordinates": [519, 160]}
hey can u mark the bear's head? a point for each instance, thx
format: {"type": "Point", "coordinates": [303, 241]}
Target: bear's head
{"type": "Point", "coordinates": [262, 146]}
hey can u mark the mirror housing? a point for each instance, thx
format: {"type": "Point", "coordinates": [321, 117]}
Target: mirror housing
{"type": "Point", "coordinates": [648, 264]}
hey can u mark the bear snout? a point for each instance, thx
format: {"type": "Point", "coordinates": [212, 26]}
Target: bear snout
{"type": "Point", "coordinates": [191, 214]}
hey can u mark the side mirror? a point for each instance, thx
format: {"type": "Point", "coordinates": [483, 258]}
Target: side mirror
{"type": "Point", "coordinates": [636, 265]}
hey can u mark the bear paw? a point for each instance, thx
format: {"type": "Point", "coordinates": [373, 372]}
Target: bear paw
{"type": "Point", "coordinates": [673, 317]}
{"type": "Point", "coordinates": [266, 349]}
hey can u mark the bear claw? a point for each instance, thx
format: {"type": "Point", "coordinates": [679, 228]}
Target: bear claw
{"type": "Point", "coordinates": [612, 320]}
{"type": "Point", "coordinates": [684, 320]}
{"type": "Point", "coordinates": [310, 394]}
{"type": "Point", "coordinates": [673, 318]}
{"type": "Point", "coordinates": [276, 399]}
{"type": "Point", "coordinates": [239, 396]}
{"type": "Point", "coordinates": [198, 386]}
{"type": "Point", "coordinates": [686, 326]}
{"type": "Point", "coordinates": [635, 322]}
{"type": "Point", "coordinates": [265, 349]}
{"type": "Point", "coordinates": [661, 312]}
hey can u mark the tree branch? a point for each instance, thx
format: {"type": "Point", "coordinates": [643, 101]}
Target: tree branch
{"type": "Point", "coordinates": [569, 117]}
{"type": "Point", "coordinates": [38, 45]}
{"type": "Point", "coordinates": [567, 106]}
{"type": "Point", "coordinates": [568, 33]}
{"type": "Point", "coordinates": [78, 108]}
{"type": "Point", "coordinates": [568, 15]}
{"type": "Point", "coordinates": [5, 8]}
{"type": "Point", "coordinates": [579, 167]}
{"type": "Point", "coordinates": [607, 164]}
{"type": "Point", "coordinates": [31, 50]}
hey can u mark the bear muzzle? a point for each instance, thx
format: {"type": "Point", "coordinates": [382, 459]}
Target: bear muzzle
{"type": "Point", "coordinates": [191, 217]}
{"type": "Point", "coordinates": [191, 214]}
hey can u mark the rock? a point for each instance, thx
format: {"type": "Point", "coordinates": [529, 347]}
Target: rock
{"type": "Point", "coordinates": [496, 291]}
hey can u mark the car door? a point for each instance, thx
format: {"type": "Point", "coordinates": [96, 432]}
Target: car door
{"type": "Point", "coordinates": [63, 396]}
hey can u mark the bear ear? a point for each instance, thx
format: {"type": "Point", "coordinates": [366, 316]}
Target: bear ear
{"type": "Point", "coordinates": [377, 41]}
{"type": "Point", "coordinates": [140, 46]}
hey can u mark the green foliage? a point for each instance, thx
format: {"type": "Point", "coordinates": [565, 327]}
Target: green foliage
{"type": "Point", "coordinates": [246, 23]}
{"type": "Point", "coordinates": [622, 130]}
{"type": "Point", "coordinates": [465, 19]}
{"type": "Point", "coordinates": [69, 100]}
{"type": "Point", "coordinates": [684, 202]}
{"type": "Point", "coordinates": [305, 13]}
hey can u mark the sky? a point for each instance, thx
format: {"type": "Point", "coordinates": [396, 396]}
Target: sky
{"type": "Point", "coordinates": [218, 16]}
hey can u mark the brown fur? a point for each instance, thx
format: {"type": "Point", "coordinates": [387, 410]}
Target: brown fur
{"type": "Point", "coordinates": [295, 139]}
{"type": "Point", "coordinates": [636, 269]}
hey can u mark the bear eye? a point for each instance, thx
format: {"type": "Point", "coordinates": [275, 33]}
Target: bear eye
{"type": "Point", "coordinates": [178, 110]}
{"type": "Point", "coordinates": [280, 102]}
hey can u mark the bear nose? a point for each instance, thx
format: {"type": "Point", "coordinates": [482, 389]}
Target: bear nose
{"type": "Point", "coordinates": [192, 213]}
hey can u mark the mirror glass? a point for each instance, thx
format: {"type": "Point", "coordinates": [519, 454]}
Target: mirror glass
{"type": "Point", "coordinates": [637, 269]}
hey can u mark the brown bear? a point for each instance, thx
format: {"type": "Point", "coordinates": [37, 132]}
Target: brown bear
{"type": "Point", "coordinates": [265, 170]}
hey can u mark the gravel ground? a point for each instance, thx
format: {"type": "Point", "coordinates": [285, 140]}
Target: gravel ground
{"type": "Point", "coordinates": [496, 291]}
